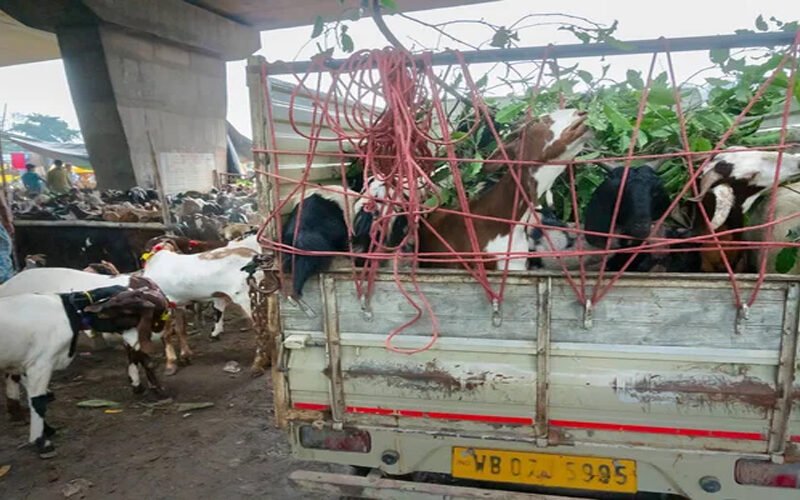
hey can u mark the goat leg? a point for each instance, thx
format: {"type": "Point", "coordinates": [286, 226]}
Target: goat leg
{"type": "Point", "coordinates": [171, 364]}
{"type": "Point", "coordinates": [16, 411]}
{"type": "Point", "coordinates": [145, 330]}
{"type": "Point", "coordinates": [183, 342]}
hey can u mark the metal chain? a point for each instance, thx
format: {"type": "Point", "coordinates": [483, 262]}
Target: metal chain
{"type": "Point", "coordinates": [259, 291]}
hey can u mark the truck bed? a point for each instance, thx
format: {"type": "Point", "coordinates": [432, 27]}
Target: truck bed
{"type": "Point", "coordinates": [663, 371]}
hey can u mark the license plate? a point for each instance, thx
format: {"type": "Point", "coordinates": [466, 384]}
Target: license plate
{"type": "Point", "coordinates": [540, 469]}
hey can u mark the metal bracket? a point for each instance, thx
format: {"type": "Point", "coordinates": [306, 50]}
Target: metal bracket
{"type": "Point", "coordinates": [497, 316]}
{"type": "Point", "coordinates": [544, 317]}
{"type": "Point", "coordinates": [784, 383]}
{"type": "Point", "coordinates": [742, 315]}
{"type": "Point", "coordinates": [587, 314]}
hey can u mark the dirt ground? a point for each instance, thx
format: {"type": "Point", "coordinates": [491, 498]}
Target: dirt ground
{"type": "Point", "coordinates": [231, 450]}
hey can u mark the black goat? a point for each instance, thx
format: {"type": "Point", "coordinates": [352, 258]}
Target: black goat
{"type": "Point", "coordinates": [321, 227]}
{"type": "Point", "coordinates": [644, 200]}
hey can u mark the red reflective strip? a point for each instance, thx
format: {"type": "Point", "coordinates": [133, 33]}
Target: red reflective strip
{"type": "Point", "coordinates": [310, 406]}
{"type": "Point", "coordinates": [648, 429]}
{"type": "Point", "coordinates": [795, 439]}
{"type": "Point", "coordinates": [571, 424]}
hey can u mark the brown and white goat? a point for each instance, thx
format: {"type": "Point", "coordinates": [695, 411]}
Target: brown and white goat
{"type": "Point", "coordinates": [555, 137]}
{"type": "Point", "coordinates": [729, 185]}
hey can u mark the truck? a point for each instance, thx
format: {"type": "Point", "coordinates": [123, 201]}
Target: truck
{"type": "Point", "coordinates": [664, 389]}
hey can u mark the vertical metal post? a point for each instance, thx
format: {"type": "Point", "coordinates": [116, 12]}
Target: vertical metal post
{"type": "Point", "coordinates": [334, 348]}
{"type": "Point", "coordinates": [779, 425]}
{"type": "Point", "coordinates": [270, 340]}
{"type": "Point", "coordinates": [544, 287]}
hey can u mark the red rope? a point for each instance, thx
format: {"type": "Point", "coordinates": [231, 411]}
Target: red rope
{"type": "Point", "coordinates": [387, 110]}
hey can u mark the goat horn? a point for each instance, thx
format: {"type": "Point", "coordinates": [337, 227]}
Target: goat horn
{"type": "Point", "coordinates": [723, 195]}
{"type": "Point", "coordinates": [706, 181]}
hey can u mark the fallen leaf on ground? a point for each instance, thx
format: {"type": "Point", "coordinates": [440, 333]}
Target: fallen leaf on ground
{"type": "Point", "coordinates": [4, 470]}
{"type": "Point", "coordinates": [184, 407]}
{"type": "Point", "coordinates": [96, 403]}
{"type": "Point", "coordinates": [75, 487]}
{"type": "Point", "coordinates": [112, 411]}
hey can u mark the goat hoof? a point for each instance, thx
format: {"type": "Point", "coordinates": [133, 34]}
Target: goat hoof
{"type": "Point", "coordinates": [138, 389]}
{"type": "Point", "coordinates": [185, 360]}
{"type": "Point", "coordinates": [213, 338]}
{"type": "Point", "coordinates": [45, 448]}
{"type": "Point", "coordinates": [170, 370]}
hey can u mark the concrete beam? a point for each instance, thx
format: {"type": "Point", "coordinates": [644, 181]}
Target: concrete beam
{"type": "Point", "coordinates": [145, 70]}
{"type": "Point", "coordinates": [181, 23]}
{"type": "Point", "coordinates": [173, 20]}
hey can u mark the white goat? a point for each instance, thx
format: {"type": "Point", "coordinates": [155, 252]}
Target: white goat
{"type": "Point", "coordinates": [35, 348]}
{"type": "Point", "coordinates": [787, 203]}
{"type": "Point", "coordinates": [53, 280]}
{"type": "Point", "coordinates": [214, 275]}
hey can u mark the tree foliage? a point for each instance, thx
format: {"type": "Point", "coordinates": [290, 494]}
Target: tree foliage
{"type": "Point", "coordinates": [44, 128]}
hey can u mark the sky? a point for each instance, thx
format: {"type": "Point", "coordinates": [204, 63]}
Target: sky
{"type": "Point", "coordinates": [42, 87]}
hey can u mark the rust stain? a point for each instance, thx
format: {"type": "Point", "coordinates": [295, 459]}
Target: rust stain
{"type": "Point", "coordinates": [424, 377]}
{"type": "Point", "coordinates": [747, 390]}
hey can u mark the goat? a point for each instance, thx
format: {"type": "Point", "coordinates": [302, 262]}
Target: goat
{"type": "Point", "coordinates": [320, 216]}
{"type": "Point", "coordinates": [729, 185]}
{"type": "Point", "coordinates": [787, 203]}
{"type": "Point", "coordinates": [34, 261]}
{"type": "Point", "coordinates": [319, 221]}
{"type": "Point", "coordinates": [102, 267]}
{"type": "Point", "coordinates": [644, 200]}
{"type": "Point", "coordinates": [214, 275]}
{"type": "Point", "coordinates": [39, 336]}
{"type": "Point", "coordinates": [53, 280]}
{"type": "Point", "coordinates": [558, 136]}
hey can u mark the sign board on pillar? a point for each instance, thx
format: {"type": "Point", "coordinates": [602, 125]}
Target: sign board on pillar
{"type": "Point", "coordinates": [187, 172]}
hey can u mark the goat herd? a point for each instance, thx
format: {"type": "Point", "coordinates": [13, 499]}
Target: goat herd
{"type": "Point", "coordinates": [45, 309]}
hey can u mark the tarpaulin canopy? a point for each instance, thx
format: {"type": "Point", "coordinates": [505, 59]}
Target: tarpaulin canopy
{"type": "Point", "coordinates": [74, 153]}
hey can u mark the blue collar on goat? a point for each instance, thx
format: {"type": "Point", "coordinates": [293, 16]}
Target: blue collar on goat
{"type": "Point", "coordinates": [644, 200]}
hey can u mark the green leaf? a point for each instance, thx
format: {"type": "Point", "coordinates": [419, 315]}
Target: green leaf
{"type": "Point", "coordinates": [761, 25]}
{"type": "Point", "coordinates": [634, 79]}
{"type": "Point", "coordinates": [797, 90]}
{"type": "Point", "coordinates": [617, 119]}
{"type": "Point", "coordinates": [661, 96]}
{"type": "Point", "coordinates": [584, 75]}
{"type": "Point", "coordinates": [701, 144]}
{"type": "Point", "coordinates": [719, 56]}
{"type": "Point", "coordinates": [510, 112]}
{"type": "Point", "coordinates": [319, 25]}
{"type": "Point", "coordinates": [482, 81]}
{"type": "Point", "coordinates": [786, 260]}
{"type": "Point", "coordinates": [347, 42]}
{"type": "Point", "coordinates": [389, 4]}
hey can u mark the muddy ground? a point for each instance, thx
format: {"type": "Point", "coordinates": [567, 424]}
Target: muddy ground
{"type": "Point", "coordinates": [231, 450]}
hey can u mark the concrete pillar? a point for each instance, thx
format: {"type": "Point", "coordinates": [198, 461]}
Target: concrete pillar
{"type": "Point", "coordinates": [152, 67]}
